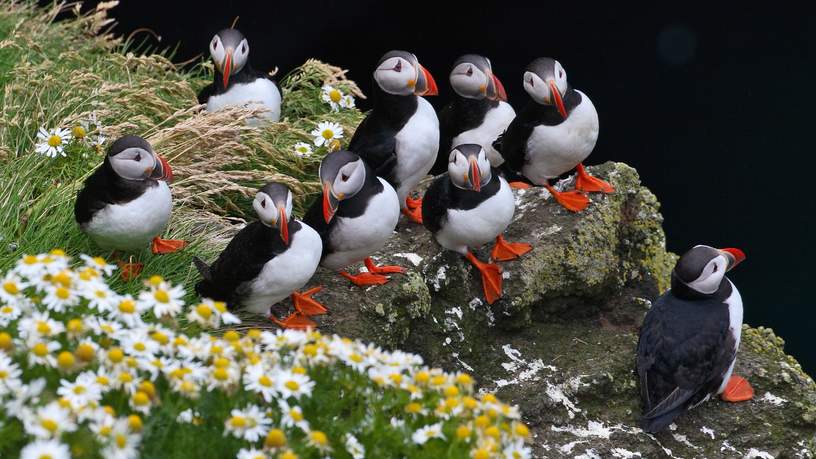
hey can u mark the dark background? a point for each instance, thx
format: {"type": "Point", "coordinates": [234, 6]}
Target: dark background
{"type": "Point", "coordinates": [712, 107]}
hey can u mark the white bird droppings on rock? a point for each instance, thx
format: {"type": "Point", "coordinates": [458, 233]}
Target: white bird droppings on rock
{"type": "Point", "coordinates": [412, 257]}
{"type": "Point", "coordinates": [441, 276]}
{"type": "Point", "coordinates": [589, 454]}
{"type": "Point", "coordinates": [754, 453]}
{"type": "Point", "coordinates": [624, 453]}
{"type": "Point", "coordinates": [773, 399]}
{"type": "Point", "coordinates": [707, 431]}
{"type": "Point", "coordinates": [566, 449]}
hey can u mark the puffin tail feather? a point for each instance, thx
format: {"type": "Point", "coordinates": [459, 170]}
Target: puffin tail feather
{"type": "Point", "coordinates": [659, 423]}
{"type": "Point", "coordinates": [203, 268]}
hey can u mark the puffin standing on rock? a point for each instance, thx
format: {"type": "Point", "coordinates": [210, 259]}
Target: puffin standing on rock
{"type": "Point", "coordinates": [235, 82]}
{"type": "Point", "coordinates": [399, 137]}
{"type": "Point", "coordinates": [552, 135]}
{"type": "Point", "coordinates": [478, 112]}
{"type": "Point", "coordinates": [357, 215]}
{"type": "Point", "coordinates": [126, 203]}
{"type": "Point", "coordinates": [690, 337]}
{"type": "Point", "coordinates": [469, 207]}
{"type": "Point", "coordinates": [267, 261]}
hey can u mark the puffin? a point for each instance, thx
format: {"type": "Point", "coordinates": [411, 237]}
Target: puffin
{"type": "Point", "coordinates": [357, 214]}
{"type": "Point", "coordinates": [479, 112]}
{"type": "Point", "coordinates": [125, 204]}
{"type": "Point", "coordinates": [267, 261]}
{"type": "Point", "coordinates": [399, 137]}
{"type": "Point", "coordinates": [235, 82]}
{"type": "Point", "coordinates": [689, 339]}
{"type": "Point", "coordinates": [470, 206]}
{"type": "Point", "coordinates": [553, 134]}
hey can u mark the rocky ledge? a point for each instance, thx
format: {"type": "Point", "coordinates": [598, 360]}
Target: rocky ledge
{"type": "Point", "coordinates": [561, 342]}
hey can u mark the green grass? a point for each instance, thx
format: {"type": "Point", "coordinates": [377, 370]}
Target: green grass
{"type": "Point", "coordinates": [56, 74]}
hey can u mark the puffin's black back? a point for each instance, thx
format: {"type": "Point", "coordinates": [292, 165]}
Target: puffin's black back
{"type": "Point", "coordinates": [513, 143]}
{"type": "Point", "coordinates": [460, 115]}
{"type": "Point", "coordinates": [443, 195]}
{"type": "Point", "coordinates": [375, 138]}
{"type": "Point", "coordinates": [241, 261]}
{"type": "Point", "coordinates": [348, 208]}
{"type": "Point", "coordinates": [684, 348]}
{"type": "Point", "coordinates": [105, 187]}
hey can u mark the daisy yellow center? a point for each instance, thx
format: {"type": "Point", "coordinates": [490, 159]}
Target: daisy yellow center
{"type": "Point", "coordinates": [116, 355]}
{"type": "Point", "coordinates": [231, 336]}
{"type": "Point", "coordinates": [422, 377]}
{"type": "Point", "coordinates": [265, 381]}
{"type": "Point", "coordinates": [220, 374]}
{"type": "Point", "coordinates": [482, 421]}
{"type": "Point", "coordinates": [109, 410]}
{"type": "Point", "coordinates": [101, 294]}
{"type": "Point", "coordinates": [121, 441]}
{"type": "Point", "coordinates": [54, 141]}
{"type": "Point", "coordinates": [356, 358]}
{"type": "Point", "coordinates": [188, 386]}
{"type": "Point", "coordinates": [335, 95]}
{"type": "Point", "coordinates": [160, 337]}
{"type": "Point", "coordinates": [288, 455]}
{"type": "Point", "coordinates": [238, 422]}
{"type": "Point", "coordinates": [493, 431]}
{"type": "Point", "coordinates": [489, 398]}
{"type": "Point", "coordinates": [125, 377]}
{"type": "Point", "coordinates": [413, 407]}
{"type": "Point", "coordinates": [220, 306]}
{"type": "Point", "coordinates": [481, 454]}
{"type": "Point", "coordinates": [79, 390]}
{"type": "Point", "coordinates": [66, 360]}
{"type": "Point", "coordinates": [29, 259]}
{"type": "Point", "coordinates": [49, 425]}
{"type": "Point", "coordinates": [522, 430]}
{"type": "Point", "coordinates": [6, 310]}
{"type": "Point", "coordinates": [100, 261]}
{"type": "Point", "coordinates": [43, 328]}
{"type": "Point", "coordinates": [220, 362]}
{"type": "Point", "coordinates": [155, 281]}
{"type": "Point", "coordinates": [5, 341]}
{"type": "Point", "coordinates": [102, 380]}
{"type": "Point", "coordinates": [292, 385]}
{"type": "Point", "coordinates": [462, 432]}
{"type": "Point", "coordinates": [127, 307]}
{"type": "Point", "coordinates": [106, 328]}
{"type": "Point", "coordinates": [161, 296]}
{"type": "Point", "coordinates": [40, 350]}
{"type": "Point", "coordinates": [63, 278]}
{"type": "Point", "coordinates": [327, 134]}
{"type": "Point", "coordinates": [438, 380]}
{"type": "Point", "coordinates": [62, 293]}
{"type": "Point", "coordinates": [79, 132]}
{"type": "Point", "coordinates": [296, 415]}
{"type": "Point", "coordinates": [105, 431]}
{"type": "Point", "coordinates": [75, 325]}
{"type": "Point", "coordinates": [140, 399]}
{"type": "Point", "coordinates": [299, 370]}
{"type": "Point", "coordinates": [139, 346]}
{"type": "Point", "coordinates": [395, 377]}
{"type": "Point", "coordinates": [204, 311]}
{"type": "Point", "coordinates": [319, 438]}
{"type": "Point", "coordinates": [451, 391]}
{"type": "Point", "coordinates": [11, 288]}
{"type": "Point", "coordinates": [3, 374]}
{"type": "Point", "coordinates": [275, 438]}
{"type": "Point", "coordinates": [464, 379]}
{"type": "Point", "coordinates": [135, 422]}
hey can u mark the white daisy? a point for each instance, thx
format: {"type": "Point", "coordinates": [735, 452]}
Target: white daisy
{"type": "Point", "coordinates": [326, 132]}
{"type": "Point", "coordinates": [9, 375]}
{"type": "Point", "coordinates": [23, 396]}
{"type": "Point", "coordinates": [292, 416]}
{"type": "Point", "coordinates": [39, 325]}
{"type": "Point", "coordinates": [49, 421]}
{"type": "Point", "coordinates": [290, 384]}
{"type": "Point", "coordinates": [257, 379]}
{"type": "Point", "coordinates": [303, 149]}
{"type": "Point", "coordinates": [81, 392]}
{"type": "Point", "coordinates": [104, 327]}
{"type": "Point", "coordinates": [128, 311]}
{"type": "Point", "coordinates": [51, 449]}
{"type": "Point", "coordinates": [223, 377]}
{"type": "Point", "coordinates": [251, 453]}
{"type": "Point", "coordinates": [98, 263]}
{"type": "Point", "coordinates": [517, 450]}
{"type": "Point", "coordinates": [59, 298]}
{"type": "Point", "coordinates": [354, 447]}
{"type": "Point", "coordinates": [8, 313]}
{"type": "Point", "coordinates": [347, 101]}
{"type": "Point", "coordinates": [164, 300]}
{"type": "Point", "coordinates": [100, 296]}
{"type": "Point", "coordinates": [331, 96]}
{"type": "Point", "coordinates": [42, 353]}
{"type": "Point", "coordinates": [123, 443]}
{"type": "Point", "coordinates": [52, 143]}
{"type": "Point", "coordinates": [11, 288]}
{"type": "Point", "coordinates": [138, 344]}
{"type": "Point", "coordinates": [249, 424]}
{"type": "Point", "coordinates": [30, 266]}
{"type": "Point", "coordinates": [424, 434]}
{"type": "Point", "coordinates": [187, 416]}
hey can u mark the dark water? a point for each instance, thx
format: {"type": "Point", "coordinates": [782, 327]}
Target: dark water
{"type": "Point", "coordinates": [712, 107]}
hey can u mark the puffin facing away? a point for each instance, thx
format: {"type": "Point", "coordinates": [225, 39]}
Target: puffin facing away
{"type": "Point", "coordinates": [267, 261]}
{"type": "Point", "coordinates": [552, 135]}
{"type": "Point", "coordinates": [399, 137]}
{"type": "Point", "coordinates": [469, 207]}
{"type": "Point", "coordinates": [690, 337]}
{"type": "Point", "coordinates": [357, 215]}
{"type": "Point", "coordinates": [478, 112]}
{"type": "Point", "coordinates": [126, 203]}
{"type": "Point", "coordinates": [235, 82]}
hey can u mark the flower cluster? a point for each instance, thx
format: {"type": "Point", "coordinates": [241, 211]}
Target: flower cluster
{"type": "Point", "coordinates": [83, 365]}
{"type": "Point", "coordinates": [335, 98]}
{"type": "Point", "coordinates": [53, 142]}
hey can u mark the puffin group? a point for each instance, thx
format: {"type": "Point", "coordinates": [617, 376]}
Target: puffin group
{"type": "Point", "coordinates": [479, 149]}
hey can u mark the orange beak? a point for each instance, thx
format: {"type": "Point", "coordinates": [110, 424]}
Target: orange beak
{"type": "Point", "coordinates": [559, 103]}
{"type": "Point", "coordinates": [328, 209]}
{"type": "Point", "coordinates": [500, 92]}
{"type": "Point", "coordinates": [735, 257]}
{"type": "Point", "coordinates": [163, 171]}
{"type": "Point", "coordinates": [227, 69]}
{"type": "Point", "coordinates": [430, 84]}
{"type": "Point", "coordinates": [283, 223]}
{"type": "Point", "coordinates": [475, 175]}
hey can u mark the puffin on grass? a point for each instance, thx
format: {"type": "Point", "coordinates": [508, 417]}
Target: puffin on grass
{"type": "Point", "coordinates": [470, 206]}
{"type": "Point", "coordinates": [126, 203]}
{"type": "Point", "coordinates": [267, 261]}
{"type": "Point", "coordinates": [690, 337]}
{"type": "Point", "coordinates": [399, 137]}
{"type": "Point", "coordinates": [357, 214]}
{"type": "Point", "coordinates": [554, 133]}
{"type": "Point", "coordinates": [235, 82]}
{"type": "Point", "coordinates": [478, 113]}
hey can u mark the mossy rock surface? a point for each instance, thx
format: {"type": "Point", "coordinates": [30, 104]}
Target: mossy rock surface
{"type": "Point", "coordinates": [561, 342]}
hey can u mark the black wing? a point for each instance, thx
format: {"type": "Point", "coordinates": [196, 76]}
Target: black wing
{"type": "Point", "coordinates": [104, 187]}
{"type": "Point", "coordinates": [240, 262]}
{"type": "Point", "coordinates": [435, 203]}
{"type": "Point", "coordinates": [314, 218]}
{"type": "Point", "coordinates": [683, 351]}
{"type": "Point", "coordinates": [447, 131]}
{"type": "Point", "coordinates": [376, 143]}
{"type": "Point", "coordinates": [512, 144]}
{"type": "Point", "coordinates": [205, 93]}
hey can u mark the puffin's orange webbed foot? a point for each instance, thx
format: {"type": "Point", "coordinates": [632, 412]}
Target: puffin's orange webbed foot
{"type": "Point", "coordinates": [506, 251]}
{"type": "Point", "coordinates": [491, 278]}
{"type": "Point", "coordinates": [365, 279]}
{"type": "Point", "coordinates": [412, 203]}
{"type": "Point", "coordinates": [586, 182]}
{"type": "Point", "coordinates": [295, 321]}
{"type": "Point", "coordinates": [737, 390]}
{"type": "Point", "coordinates": [520, 185]}
{"type": "Point", "coordinates": [129, 271]}
{"type": "Point", "coordinates": [162, 246]}
{"type": "Point", "coordinates": [415, 214]}
{"type": "Point", "coordinates": [385, 269]}
{"type": "Point", "coordinates": [574, 201]}
{"type": "Point", "coordinates": [306, 305]}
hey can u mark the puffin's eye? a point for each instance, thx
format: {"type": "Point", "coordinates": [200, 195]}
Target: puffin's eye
{"type": "Point", "coordinates": [560, 74]}
{"type": "Point", "coordinates": [138, 157]}
{"type": "Point", "coordinates": [214, 44]}
{"type": "Point", "coordinates": [470, 71]}
{"type": "Point", "coordinates": [531, 82]}
{"type": "Point", "coordinates": [715, 268]}
{"type": "Point", "coordinates": [344, 177]}
{"type": "Point", "coordinates": [263, 203]}
{"type": "Point", "coordinates": [243, 49]}
{"type": "Point", "coordinates": [398, 67]}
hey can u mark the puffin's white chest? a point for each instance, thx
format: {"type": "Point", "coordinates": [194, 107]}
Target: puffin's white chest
{"type": "Point", "coordinates": [286, 272]}
{"type": "Point", "coordinates": [353, 239]}
{"type": "Point", "coordinates": [480, 225]}
{"type": "Point", "coordinates": [259, 93]}
{"type": "Point", "coordinates": [554, 150]}
{"type": "Point", "coordinates": [495, 122]}
{"type": "Point", "coordinates": [132, 225]}
{"type": "Point", "coordinates": [735, 319]}
{"type": "Point", "coordinates": [417, 144]}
